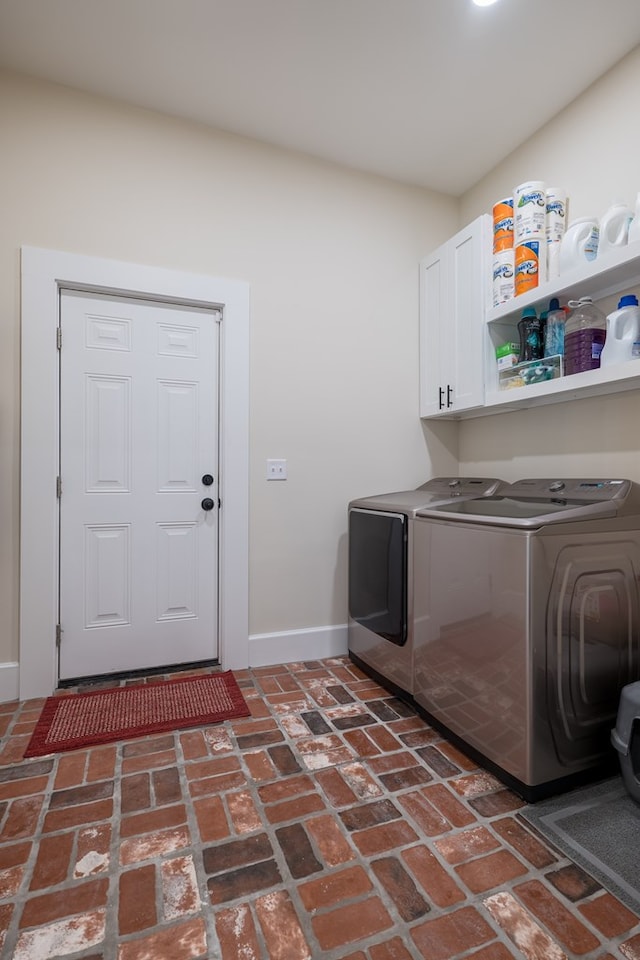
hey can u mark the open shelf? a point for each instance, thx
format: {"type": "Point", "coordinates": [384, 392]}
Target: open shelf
{"type": "Point", "coordinates": [615, 272]}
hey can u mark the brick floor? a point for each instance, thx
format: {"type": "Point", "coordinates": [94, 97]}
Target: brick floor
{"type": "Point", "coordinates": [333, 823]}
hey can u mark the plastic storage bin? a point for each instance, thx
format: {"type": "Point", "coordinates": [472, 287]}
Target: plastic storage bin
{"type": "Point", "coordinates": [625, 737]}
{"type": "Point", "coordinates": [533, 371]}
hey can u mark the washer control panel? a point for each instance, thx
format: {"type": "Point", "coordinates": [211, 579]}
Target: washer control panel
{"type": "Point", "coordinates": [571, 489]}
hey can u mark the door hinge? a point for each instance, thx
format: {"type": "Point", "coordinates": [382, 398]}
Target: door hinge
{"type": "Point", "coordinates": [59, 338]}
{"type": "Point", "coordinates": [58, 634]}
{"type": "Point", "coordinates": [58, 487]}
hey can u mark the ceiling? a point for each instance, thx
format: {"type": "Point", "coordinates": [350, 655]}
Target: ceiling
{"type": "Point", "coordinates": [429, 92]}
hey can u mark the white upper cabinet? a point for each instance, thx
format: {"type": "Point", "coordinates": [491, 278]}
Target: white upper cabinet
{"type": "Point", "coordinates": [454, 284]}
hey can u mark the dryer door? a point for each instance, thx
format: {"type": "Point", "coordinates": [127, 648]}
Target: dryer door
{"type": "Point", "coordinates": [378, 573]}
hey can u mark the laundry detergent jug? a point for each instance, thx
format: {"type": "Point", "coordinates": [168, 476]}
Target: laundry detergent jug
{"type": "Point", "coordinates": [579, 244]}
{"type": "Point", "coordinates": [634, 226]}
{"type": "Point", "coordinates": [614, 227]}
{"type": "Point", "coordinates": [623, 331]}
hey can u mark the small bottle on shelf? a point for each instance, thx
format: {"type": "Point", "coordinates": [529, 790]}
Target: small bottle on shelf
{"type": "Point", "coordinates": [554, 330]}
{"type": "Point", "coordinates": [531, 341]}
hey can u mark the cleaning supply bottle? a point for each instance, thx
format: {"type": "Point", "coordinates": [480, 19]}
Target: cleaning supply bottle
{"type": "Point", "coordinates": [554, 330]}
{"type": "Point", "coordinates": [623, 331]}
{"type": "Point", "coordinates": [530, 330]}
{"type": "Point", "coordinates": [614, 227]}
{"type": "Point", "coordinates": [634, 226]}
{"type": "Point", "coordinates": [579, 244]}
{"type": "Point", "coordinates": [543, 327]}
{"type": "Point", "coordinates": [584, 336]}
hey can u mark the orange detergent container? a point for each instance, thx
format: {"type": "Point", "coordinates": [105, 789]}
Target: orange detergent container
{"type": "Point", "coordinates": [530, 260]}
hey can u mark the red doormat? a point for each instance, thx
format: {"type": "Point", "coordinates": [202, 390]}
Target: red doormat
{"type": "Point", "coordinates": [122, 713]}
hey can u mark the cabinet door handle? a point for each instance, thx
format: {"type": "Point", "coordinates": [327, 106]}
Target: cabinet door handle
{"type": "Point", "coordinates": [449, 396]}
{"type": "Point", "coordinates": [440, 398]}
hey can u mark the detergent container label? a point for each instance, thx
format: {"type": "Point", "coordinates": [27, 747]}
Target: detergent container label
{"type": "Point", "coordinates": [530, 211]}
{"type": "Point", "coordinates": [503, 276]}
{"type": "Point", "coordinates": [529, 265]}
{"type": "Point", "coordinates": [503, 224]}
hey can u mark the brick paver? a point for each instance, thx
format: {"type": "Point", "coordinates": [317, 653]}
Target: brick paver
{"type": "Point", "coordinates": [332, 824]}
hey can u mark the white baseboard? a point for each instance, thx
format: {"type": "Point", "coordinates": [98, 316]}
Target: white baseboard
{"type": "Point", "coordinates": [291, 646]}
{"type": "Point", "coordinates": [9, 686]}
{"type": "Point", "coordinates": [265, 649]}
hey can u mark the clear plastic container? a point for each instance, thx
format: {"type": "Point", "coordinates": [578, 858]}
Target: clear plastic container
{"type": "Point", "coordinates": [584, 335]}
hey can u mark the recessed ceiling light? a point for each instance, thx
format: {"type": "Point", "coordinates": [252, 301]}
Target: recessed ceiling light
{"type": "Point", "coordinates": [483, 3]}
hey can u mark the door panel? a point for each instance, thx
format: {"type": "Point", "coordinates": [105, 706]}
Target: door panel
{"type": "Point", "coordinates": [107, 597]}
{"type": "Point", "coordinates": [177, 436]}
{"type": "Point", "coordinates": [177, 571]}
{"type": "Point", "coordinates": [108, 435]}
{"type": "Point", "coordinates": [138, 430]}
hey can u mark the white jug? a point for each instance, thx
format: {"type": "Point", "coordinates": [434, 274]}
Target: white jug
{"type": "Point", "coordinates": [623, 331]}
{"type": "Point", "coordinates": [614, 227]}
{"type": "Point", "coordinates": [634, 226]}
{"type": "Point", "coordinates": [579, 244]}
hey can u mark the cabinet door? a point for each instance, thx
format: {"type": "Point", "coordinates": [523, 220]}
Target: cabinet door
{"type": "Point", "coordinates": [433, 311]}
{"type": "Point", "coordinates": [453, 298]}
{"type": "Point", "coordinates": [464, 338]}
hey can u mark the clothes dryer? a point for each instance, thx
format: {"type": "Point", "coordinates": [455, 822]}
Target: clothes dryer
{"type": "Point", "coordinates": [527, 625]}
{"type": "Point", "coordinates": [380, 588]}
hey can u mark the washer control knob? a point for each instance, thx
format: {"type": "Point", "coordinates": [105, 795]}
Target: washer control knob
{"type": "Point", "coordinates": [454, 483]}
{"type": "Point", "coordinates": [556, 486]}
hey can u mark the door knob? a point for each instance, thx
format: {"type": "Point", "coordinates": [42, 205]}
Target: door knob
{"type": "Point", "coordinates": [207, 479]}
{"type": "Point", "coordinates": [207, 504]}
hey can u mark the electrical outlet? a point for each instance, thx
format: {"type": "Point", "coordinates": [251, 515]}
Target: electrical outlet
{"type": "Point", "coordinates": [276, 469]}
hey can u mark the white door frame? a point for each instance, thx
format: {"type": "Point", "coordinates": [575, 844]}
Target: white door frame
{"type": "Point", "coordinates": [44, 273]}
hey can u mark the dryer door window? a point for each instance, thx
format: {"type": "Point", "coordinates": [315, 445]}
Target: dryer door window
{"type": "Point", "coordinates": [378, 573]}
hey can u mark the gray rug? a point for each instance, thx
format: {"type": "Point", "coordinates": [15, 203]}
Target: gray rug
{"type": "Point", "coordinates": [598, 827]}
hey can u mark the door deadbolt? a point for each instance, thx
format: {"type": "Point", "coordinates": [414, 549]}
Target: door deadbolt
{"type": "Point", "coordinates": [207, 479]}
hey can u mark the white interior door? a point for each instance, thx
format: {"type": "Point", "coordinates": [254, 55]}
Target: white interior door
{"type": "Point", "coordinates": [138, 443]}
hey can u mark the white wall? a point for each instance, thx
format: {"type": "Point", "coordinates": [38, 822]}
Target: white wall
{"type": "Point", "coordinates": [331, 257]}
{"type": "Point", "coordinates": [591, 149]}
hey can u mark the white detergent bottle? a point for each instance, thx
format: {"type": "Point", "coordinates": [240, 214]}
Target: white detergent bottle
{"type": "Point", "coordinates": [634, 226]}
{"type": "Point", "coordinates": [579, 245]}
{"type": "Point", "coordinates": [623, 331]}
{"type": "Point", "coordinates": [614, 227]}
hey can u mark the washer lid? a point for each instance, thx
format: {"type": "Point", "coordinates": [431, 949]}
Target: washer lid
{"type": "Point", "coordinates": [438, 490]}
{"type": "Point", "coordinates": [535, 503]}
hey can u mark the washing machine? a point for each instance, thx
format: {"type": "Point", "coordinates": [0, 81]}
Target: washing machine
{"type": "Point", "coordinates": [380, 587]}
{"type": "Point", "coordinates": [527, 625]}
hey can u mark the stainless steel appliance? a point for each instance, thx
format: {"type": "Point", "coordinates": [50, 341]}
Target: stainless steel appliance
{"type": "Point", "coordinates": [380, 628]}
{"type": "Point", "coordinates": [527, 625]}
